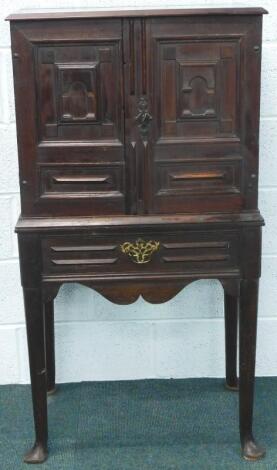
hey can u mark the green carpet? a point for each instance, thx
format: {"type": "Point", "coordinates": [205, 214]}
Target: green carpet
{"type": "Point", "coordinates": [139, 425]}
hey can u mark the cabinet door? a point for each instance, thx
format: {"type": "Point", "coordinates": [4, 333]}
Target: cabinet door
{"type": "Point", "coordinates": [203, 88]}
{"type": "Point", "coordinates": [68, 84]}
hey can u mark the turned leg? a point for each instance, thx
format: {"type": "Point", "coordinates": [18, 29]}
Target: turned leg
{"type": "Point", "coordinates": [231, 332]}
{"type": "Point", "coordinates": [36, 347]}
{"type": "Point", "coordinates": [49, 346]}
{"type": "Point", "coordinates": [247, 339]}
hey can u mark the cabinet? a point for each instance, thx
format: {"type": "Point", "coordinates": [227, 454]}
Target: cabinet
{"type": "Point", "coordinates": [138, 136]}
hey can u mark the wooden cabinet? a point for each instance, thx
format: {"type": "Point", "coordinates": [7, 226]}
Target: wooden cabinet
{"type": "Point", "coordinates": [138, 138]}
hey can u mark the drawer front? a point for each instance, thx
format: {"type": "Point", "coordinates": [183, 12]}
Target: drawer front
{"type": "Point", "coordinates": [81, 181]}
{"type": "Point", "coordinates": [141, 253]}
{"type": "Point", "coordinates": [188, 187]}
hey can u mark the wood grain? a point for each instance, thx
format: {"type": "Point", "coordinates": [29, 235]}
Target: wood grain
{"type": "Point", "coordinates": [138, 127]}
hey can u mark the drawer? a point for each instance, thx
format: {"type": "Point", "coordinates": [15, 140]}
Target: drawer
{"type": "Point", "coordinates": [203, 186]}
{"type": "Point", "coordinates": [77, 189]}
{"type": "Point", "coordinates": [141, 253]}
{"type": "Point", "coordinates": [79, 181]}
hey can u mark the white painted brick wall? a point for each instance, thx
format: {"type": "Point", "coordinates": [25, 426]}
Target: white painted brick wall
{"type": "Point", "coordinates": [97, 340]}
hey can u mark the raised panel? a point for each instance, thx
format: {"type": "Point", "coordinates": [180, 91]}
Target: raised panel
{"type": "Point", "coordinates": [197, 89]}
{"type": "Point", "coordinates": [203, 186]}
{"type": "Point", "coordinates": [197, 178]}
{"type": "Point", "coordinates": [79, 182]}
{"type": "Point", "coordinates": [201, 178]}
{"type": "Point", "coordinates": [79, 92]}
{"type": "Point", "coordinates": [202, 74]}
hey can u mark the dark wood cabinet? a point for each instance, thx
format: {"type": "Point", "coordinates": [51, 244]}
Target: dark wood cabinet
{"type": "Point", "coordinates": [138, 135]}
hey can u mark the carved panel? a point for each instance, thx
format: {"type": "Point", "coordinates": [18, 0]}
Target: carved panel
{"type": "Point", "coordinates": [197, 92]}
{"type": "Point", "coordinates": [198, 87]}
{"type": "Point", "coordinates": [77, 90]}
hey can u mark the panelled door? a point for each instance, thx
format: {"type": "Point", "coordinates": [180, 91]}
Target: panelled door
{"type": "Point", "coordinates": [137, 116]}
{"type": "Point", "coordinates": [202, 84]}
{"type": "Point", "coordinates": [70, 116]}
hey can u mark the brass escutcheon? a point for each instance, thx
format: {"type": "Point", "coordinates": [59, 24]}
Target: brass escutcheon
{"type": "Point", "coordinates": [143, 117]}
{"type": "Point", "coordinates": [141, 251]}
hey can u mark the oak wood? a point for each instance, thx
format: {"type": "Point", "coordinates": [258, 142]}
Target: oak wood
{"type": "Point", "coordinates": [248, 333]}
{"type": "Point", "coordinates": [37, 224]}
{"type": "Point", "coordinates": [49, 345]}
{"type": "Point", "coordinates": [138, 136]}
{"type": "Point", "coordinates": [231, 332]}
{"type": "Point", "coordinates": [43, 14]}
{"type": "Point", "coordinates": [35, 335]}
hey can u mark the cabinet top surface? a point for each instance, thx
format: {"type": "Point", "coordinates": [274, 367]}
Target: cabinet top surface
{"type": "Point", "coordinates": [60, 13]}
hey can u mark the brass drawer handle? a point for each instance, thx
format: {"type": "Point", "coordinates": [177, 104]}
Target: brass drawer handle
{"type": "Point", "coordinates": [141, 251]}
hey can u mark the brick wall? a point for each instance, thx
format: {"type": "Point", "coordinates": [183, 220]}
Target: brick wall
{"type": "Point", "coordinates": [96, 340]}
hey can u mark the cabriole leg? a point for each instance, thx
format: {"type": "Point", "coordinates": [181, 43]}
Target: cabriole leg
{"type": "Point", "coordinates": [49, 346]}
{"type": "Point", "coordinates": [231, 332]}
{"type": "Point", "coordinates": [247, 339]}
{"type": "Point", "coordinates": [36, 347]}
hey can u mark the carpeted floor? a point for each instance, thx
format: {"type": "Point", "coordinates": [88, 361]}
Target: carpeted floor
{"type": "Point", "coordinates": [139, 425]}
